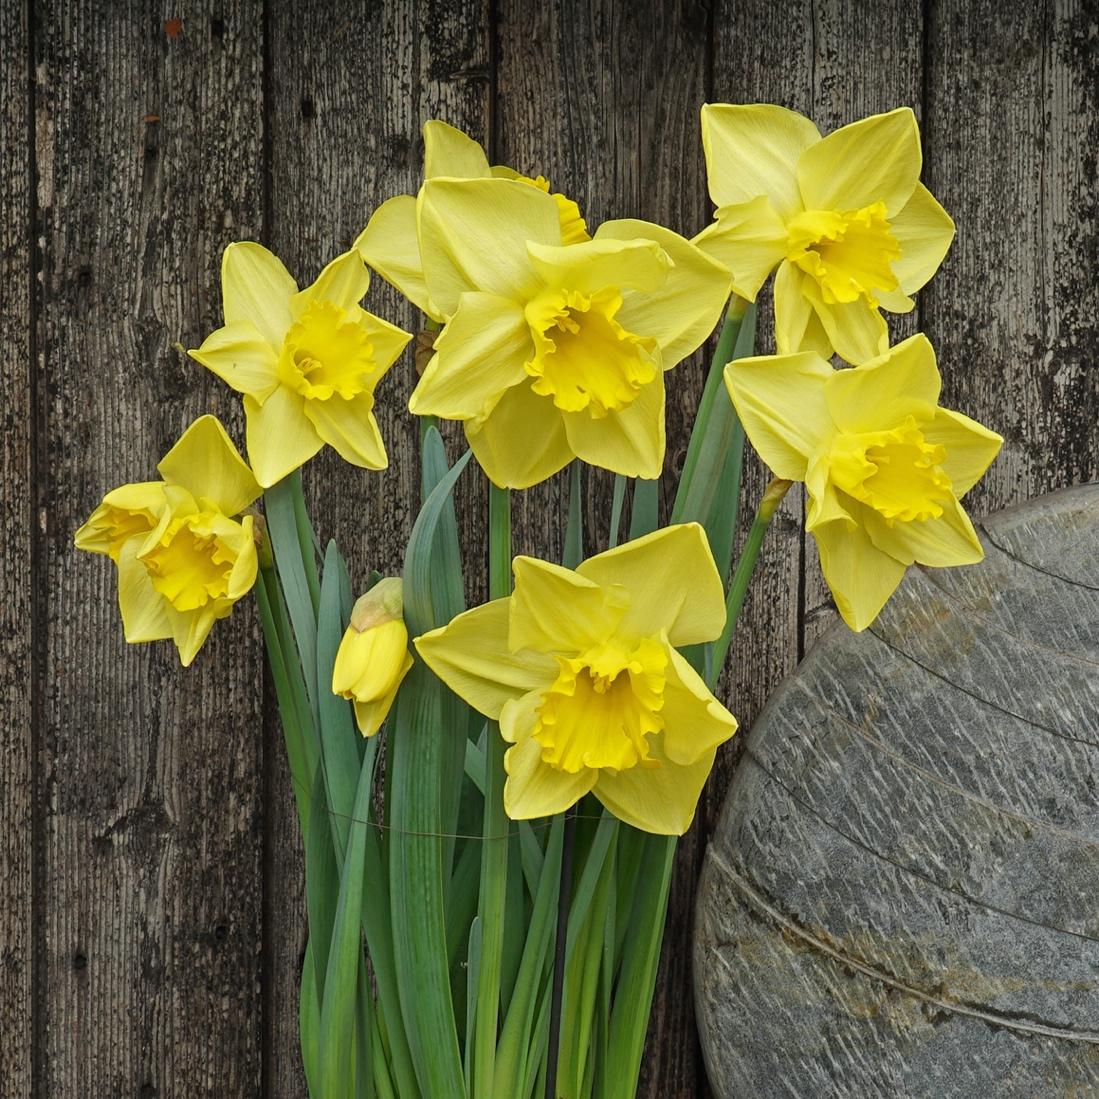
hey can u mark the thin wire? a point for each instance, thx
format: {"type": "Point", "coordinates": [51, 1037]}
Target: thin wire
{"type": "Point", "coordinates": [441, 835]}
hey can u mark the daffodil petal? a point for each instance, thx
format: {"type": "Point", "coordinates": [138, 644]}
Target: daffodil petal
{"type": "Point", "coordinates": [256, 287]}
{"type": "Point", "coordinates": [780, 402]}
{"type": "Point", "coordinates": [534, 788]}
{"type": "Point", "coordinates": [449, 152]}
{"type": "Point", "coordinates": [280, 437]}
{"type": "Point", "coordinates": [146, 614]}
{"type": "Point", "coordinates": [126, 512]}
{"type": "Point", "coordinates": [661, 800]}
{"type": "Point", "coordinates": [555, 610]}
{"type": "Point", "coordinates": [191, 630]}
{"type": "Point", "coordinates": [876, 159]}
{"type": "Point", "coordinates": [478, 356]}
{"type": "Point", "coordinates": [630, 441]}
{"type": "Point", "coordinates": [593, 265]}
{"type": "Point", "coordinates": [349, 427]}
{"type": "Point", "coordinates": [940, 543]}
{"type": "Point", "coordinates": [240, 356]}
{"type": "Point", "coordinates": [797, 326]}
{"type": "Point", "coordinates": [672, 583]}
{"type": "Point", "coordinates": [474, 235]}
{"type": "Point", "coordinates": [390, 243]}
{"type": "Point", "coordinates": [749, 240]}
{"type": "Point", "coordinates": [856, 329]}
{"type": "Point", "coordinates": [694, 721]}
{"type": "Point", "coordinates": [245, 568]}
{"type": "Point", "coordinates": [343, 282]}
{"type": "Point", "coordinates": [683, 310]}
{"type": "Point", "coordinates": [824, 504]}
{"type": "Point", "coordinates": [924, 231]}
{"type": "Point", "coordinates": [894, 301]}
{"type": "Point", "coordinates": [369, 716]}
{"type": "Point", "coordinates": [753, 149]}
{"type": "Point", "coordinates": [387, 340]}
{"type": "Point", "coordinates": [861, 576]}
{"type": "Point", "coordinates": [970, 447]}
{"type": "Point", "coordinates": [471, 656]}
{"type": "Point", "coordinates": [209, 467]}
{"type": "Point", "coordinates": [522, 441]}
{"type": "Point", "coordinates": [883, 392]}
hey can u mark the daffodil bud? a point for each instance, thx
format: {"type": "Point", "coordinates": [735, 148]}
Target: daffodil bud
{"type": "Point", "coordinates": [373, 657]}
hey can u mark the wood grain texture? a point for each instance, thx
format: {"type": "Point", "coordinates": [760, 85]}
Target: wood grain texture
{"type": "Point", "coordinates": [17, 542]}
{"type": "Point", "coordinates": [899, 898]}
{"type": "Point", "coordinates": [1013, 131]}
{"type": "Point", "coordinates": [168, 876]}
{"type": "Point", "coordinates": [148, 150]}
{"type": "Point", "coordinates": [349, 91]}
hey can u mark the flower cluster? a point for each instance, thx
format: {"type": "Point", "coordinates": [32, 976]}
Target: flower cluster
{"type": "Point", "coordinates": [556, 341]}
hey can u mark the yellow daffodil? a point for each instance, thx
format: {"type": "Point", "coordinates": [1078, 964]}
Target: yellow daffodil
{"type": "Point", "coordinates": [307, 361]}
{"type": "Point", "coordinates": [184, 552]}
{"type": "Point", "coordinates": [552, 352]}
{"type": "Point", "coordinates": [373, 657]}
{"type": "Point", "coordinates": [844, 218]}
{"type": "Point", "coordinates": [391, 241]}
{"type": "Point", "coordinates": [884, 467]}
{"type": "Point", "coordinates": [582, 673]}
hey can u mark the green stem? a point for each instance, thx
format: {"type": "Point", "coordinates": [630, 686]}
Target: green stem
{"type": "Point", "coordinates": [616, 510]}
{"type": "Point", "coordinates": [692, 498]}
{"type": "Point", "coordinates": [494, 856]}
{"type": "Point", "coordinates": [290, 692]}
{"type": "Point", "coordinates": [738, 589]}
{"type": "Point", "coordinates": [306, 541]}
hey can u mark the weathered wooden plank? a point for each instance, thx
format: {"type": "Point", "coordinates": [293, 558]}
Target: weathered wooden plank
{"type": "Point", "coordinates": [349, 95]}
{"type": "Point", "coordinates": [860, 66]}
{"type": "Point", "coordinates": [17, 539]}
{"type": "Point", "coordinates": [148, 136]}
{"type": "Point", "coordinates": [900, 894]}
{"type": "Point", "coordinates": [1012, 127]}
{"type": "Point", "coordinates": [589, 96]}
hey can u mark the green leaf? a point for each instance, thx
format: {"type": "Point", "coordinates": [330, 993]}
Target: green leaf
{"type": "Point", "coordinates": [338, 1007]}
{"type": "Point", "coordinates": [322, 882]}
{"type": "Point", "coordinates": [644, 514]}
{"type": "Point", "coordinates": [709, 485]}
{"type": "Point", "coordinates": [281, 507]}
{"type": "Point", "coordinates": [492, 905]}
{"type": "Point", "coordinates": [637, 977]}
{"type": "Point", "coordinates": [448, 600]}
{"type": "Point", "coordinates": [515, 1038]}
{"type": "Point", "coordinates": [309, 1022]}
{"type": "Point", "coordinates": [340, 739]}
{"type": "Point", "coordinates": [420, 588]}
{"type": "Point", "coordinates": [616, 510]}
{"type": "Point", "coordinates": [574, 529]}
{"type": "Point", "coordinates": [416, 881]}
{"type": "Point", "coordinates": [294, 712]}
{"type": "Point", "coordinates": [473, 974]}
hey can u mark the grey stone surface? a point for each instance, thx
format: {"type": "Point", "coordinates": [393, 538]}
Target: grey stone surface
{"type": "Point", "coordinates": [901, 897]}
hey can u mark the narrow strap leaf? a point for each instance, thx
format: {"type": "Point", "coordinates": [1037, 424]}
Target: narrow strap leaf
{"type": "Point", "coordinates": [340, 759]}
{"type": "Point", "coordinates": [419, 593]}
{"type": "Point", "coordinates": [416, 883]}
{"type": "Point", "coordinates": [280, 507]}
{"type": "Point", "coordinates": [345, 956]}
{"type": "Point", "coordinates": [644, 513]}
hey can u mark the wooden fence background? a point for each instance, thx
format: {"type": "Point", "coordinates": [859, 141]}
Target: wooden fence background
{"type": "Point", "coordinates": [151, 909]}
